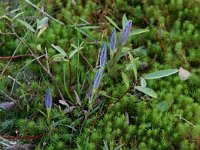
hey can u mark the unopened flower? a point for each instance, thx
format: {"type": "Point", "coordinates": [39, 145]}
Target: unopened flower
{"type": "Point", "coordinates": [113, 40]}
{"type": "Point", "coordinates": [103, 57]}
{"type": "Point", "coordinates": [125, 32]}
{"type": "Point", "coordinates": [48, 99]}
{"type": "Point", "coordinates": [97, 79]}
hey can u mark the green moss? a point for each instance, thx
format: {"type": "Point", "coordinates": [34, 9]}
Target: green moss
{"type": "Point", "coordinates": [132, 120]}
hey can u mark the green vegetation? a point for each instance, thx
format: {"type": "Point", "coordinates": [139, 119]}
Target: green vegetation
{"type": "Point", "coordinates": [63, 87]}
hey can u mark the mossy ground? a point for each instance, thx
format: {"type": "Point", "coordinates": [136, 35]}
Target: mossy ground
{"type": "Point", "coordinates": [136, 121]}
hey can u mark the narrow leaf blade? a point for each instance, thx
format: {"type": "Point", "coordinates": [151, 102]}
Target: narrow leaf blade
{"type": "Point", "coordinates": [42, 22]}
{"type": "Point", "coordinates": [143, 82]}
{"type": "Point", "coordinates": [89, 27]}
{"type": "Point", "coordinates": [18, 15]}
{"type": "Point", "coordinates": [27, 25]}
{"type": "Point", "coordinates": [160, 74]}
{"type": "Point", "coordinates": [138, 31]}
{"type": "Point", "coordinates": [59, 57]}
{"type": "Point", "coordinates": [146, 91]}
{"type": "Point", "coordinates": [124, 20]}
{"type": "Point", "coordinates": [112, 22]}
{"type": "Point", "coordinates": [133, 63]}
{"type": "Point", "coordinates": [59, 49]}
{"type": "Point", "coordinates": [125, 80]}
{"type": "Point", "coordinates": [74, 52]}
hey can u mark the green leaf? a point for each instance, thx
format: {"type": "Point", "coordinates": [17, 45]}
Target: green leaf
{"type": "Point", "coordinates": [138, 31]}
{"type": "Point", "coordinates": [27, 25]}
{"type": "Point", "coordinates": [42, 25]}
{"type": "Point", "coordinates": [59, 49]}
{"type": "Point", "coordinates": [87, 35]}
{"type": "Point", "coordinates": [125, 50]}
{"type": "Point", "coordinates": [162, 106]}
{"type": "Point", "coordinates": [39, 47]}
{"type": "Point", "coordinates": [18, 15]}
{"type": "Point", "coordinates": [119, 147]}
{"type": "Point", "coordinates": [42, 112]}
{"type": "Point", "coordinates": [89, 27]}
{"type": "Point", "coordinates": [74, 52]}
{"type": "Point", "coordinates": [59, 57]}
{"type": "Point", "coordinates": [6, 17]}
{"type": "Point", "coordinates": [143, 82]}
{"type": "Point", "coordinates": [146, 91]}
{"type": "Point", "coordinates": [125, 79]}
{"type": "Point", "coordinates": [124, 21]}
{"type": "Point", "coordinates": [105, 147]}
{"type": "Point", "coordinates": [84, 21]}
{"type": "Point", "coordinates": [133, 63]}
{"type": "Point", "coordinates": [77, 48]}
{"type": "Point", "coordinates": [42, 22]}
{"type": "Point", "coordinates": [160, 74]}
{"type": "Point", "coordinates": [113, 23]}
{"type": "Point", "coordinates": [77, 98]}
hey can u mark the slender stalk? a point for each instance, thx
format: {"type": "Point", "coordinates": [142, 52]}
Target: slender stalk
{"type": "Point", "coordinates": [70, 77]}
{"type": "Point", "coordinates": [48, 116]}
{"type": "Point", "coordinates": [181, 118]}
{"type": "Point", "coordinates": [86, 60]}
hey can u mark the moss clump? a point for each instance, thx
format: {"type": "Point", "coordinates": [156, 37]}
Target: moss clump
{"type": "Point", "coordinates": [120, 118]}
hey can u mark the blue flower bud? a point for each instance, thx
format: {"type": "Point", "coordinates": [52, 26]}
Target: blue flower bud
{"type": "Point", "coordinates": [113, 40]}
{"type": "Point", "coordinates": [48, 99]}
{"type": "Point", "coordinates": [103, 57]}
{"type": "Point", "coordinates": [125, 32]}
{"type": "Point", "coordinates": [97, 79]}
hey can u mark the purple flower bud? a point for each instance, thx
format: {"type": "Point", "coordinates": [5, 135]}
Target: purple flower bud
{"type": "Point", "coordinates": [125, 32]}
{"type": "Point", "coordinates": [48, 99]}
{"type": "Point", "coordinates": [97, 79]}
{"type": "Point", "coordinates": [113, 40]}
{"type": "Point", "coordinates": [103, 57]}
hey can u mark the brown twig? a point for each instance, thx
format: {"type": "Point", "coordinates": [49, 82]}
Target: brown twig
{"type": "Point", "coordinates": [24, 137]}
{"type": "Point", "coordinates": [15, 57]}
{"type": "Point", "coordinates": [86, 60]}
